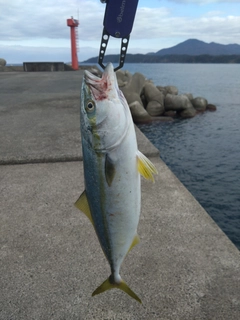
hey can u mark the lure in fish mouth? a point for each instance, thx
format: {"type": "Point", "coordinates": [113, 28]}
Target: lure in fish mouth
{"type": "Point", "coordinates": [112, 168]}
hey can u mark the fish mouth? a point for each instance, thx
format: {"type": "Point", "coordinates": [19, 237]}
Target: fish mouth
{"type": "Point", "coordinates": [100, 87]}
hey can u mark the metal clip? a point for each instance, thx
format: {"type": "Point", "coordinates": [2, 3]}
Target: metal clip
{"type": "Point", "coordinates": [118, 22]}
{"type": "Point", "coordinates": [103, 47]}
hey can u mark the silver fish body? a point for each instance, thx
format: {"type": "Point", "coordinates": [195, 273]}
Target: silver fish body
{"type": "Point", "coordinates": [112, 167]}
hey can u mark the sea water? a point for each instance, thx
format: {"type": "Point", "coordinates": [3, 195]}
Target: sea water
{"type": "Point", "coordinates": [203, 152]}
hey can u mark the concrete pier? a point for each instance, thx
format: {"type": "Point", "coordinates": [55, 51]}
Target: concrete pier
{"type": "Point", "coordinates": [50, 259]}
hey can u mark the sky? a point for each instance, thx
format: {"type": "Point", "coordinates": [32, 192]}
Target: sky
{"type": "Point", "coordinates": [33, 30]}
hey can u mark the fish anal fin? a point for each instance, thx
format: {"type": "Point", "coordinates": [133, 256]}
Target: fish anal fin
{"type": "Point", "coordinates": [135, 241]}
{"type": "Point", "coordinates": [82, 204]}
{"type": "Point", "coordinates": [145, 167]}
{"type": "Point", "coordinates": [109, 170]}
{"type": "Point", "coordinates": [109, 284]}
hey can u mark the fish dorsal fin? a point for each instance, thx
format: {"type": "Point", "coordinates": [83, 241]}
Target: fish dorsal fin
{"type": "Point", "coordinates": [135, 241]}
{"type": "Point", "coordinates": [82, 204]}
{"type": "Point", "coordinates": [109, 170]}
{"type": "Point", "coordinates": [145, 167]}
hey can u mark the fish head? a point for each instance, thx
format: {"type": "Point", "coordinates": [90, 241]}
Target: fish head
{"type": "Point", "coordinates": [105, 114]}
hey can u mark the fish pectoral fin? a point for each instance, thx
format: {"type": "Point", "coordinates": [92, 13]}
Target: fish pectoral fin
{"type": "Point", "coordinates": [82, 204]}
{"type": "Point", "coordinates": [145, 167]}
{"type": "Point", "coordinates": [108, 285]}
{"type": "Point", "coordinates": [109, 170]}
{"type": "Point", "coordinates": [135, 241]}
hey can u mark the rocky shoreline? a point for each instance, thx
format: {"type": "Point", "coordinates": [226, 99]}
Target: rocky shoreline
{"type": "Point", "coordinates": [149, 103]}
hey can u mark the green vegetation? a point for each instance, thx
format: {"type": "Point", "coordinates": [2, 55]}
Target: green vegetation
{"type": "Point", "coordinates": [176, 58]}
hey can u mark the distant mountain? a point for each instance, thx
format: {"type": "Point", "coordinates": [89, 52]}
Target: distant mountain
{"type": "Point", "coordinates": [189, 51]}
{"type": "Point", "coordinates": [170, 58]}
{"type": "Point", "coordinates": [194, 47]}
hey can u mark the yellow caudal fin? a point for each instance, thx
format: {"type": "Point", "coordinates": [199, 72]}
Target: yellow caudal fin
{"type": "Point", "coordinates": [108, 285]}
{"type": "Point", "coordinates": [82, 204]}
{"type": "Point", "coordinates": [145, 167]}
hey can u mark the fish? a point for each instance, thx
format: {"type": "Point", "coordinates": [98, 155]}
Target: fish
{"type": "Point", "coordinates": [112, 168]}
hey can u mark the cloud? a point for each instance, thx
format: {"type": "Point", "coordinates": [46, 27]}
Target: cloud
{"type": "Point", "coordinates": [29, 23]}
{"type": "Point", "coordinates": [162, 24]}
{"type": "Point", "coordinates": [34, 20]}
{"type": "Point", "coordinates": [19, 54]}
{"type": "Point", "coordinates": [21, 20]}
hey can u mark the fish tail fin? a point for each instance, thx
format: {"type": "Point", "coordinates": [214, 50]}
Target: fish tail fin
{"type": "Point", "coordinates": [108, 285]}
{"type": "Point", "coordinates": [124, 287]}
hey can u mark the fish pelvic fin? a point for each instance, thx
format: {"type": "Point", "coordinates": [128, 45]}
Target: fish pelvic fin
{"type": "Point", "coordinates": [82, 204]}
{"type": "Point", "coordinates": [145, 167]}
{"type": "Point", "coordinates": [109, 170]}
{"type": "Point", "coordinates": [109, 284]}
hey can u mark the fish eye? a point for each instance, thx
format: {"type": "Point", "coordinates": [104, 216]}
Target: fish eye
{"type": "Point", "coordinates": [90, 107]}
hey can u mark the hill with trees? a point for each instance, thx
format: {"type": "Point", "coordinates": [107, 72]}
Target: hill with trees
{"type": "Point", "coordinates": [189, 51]}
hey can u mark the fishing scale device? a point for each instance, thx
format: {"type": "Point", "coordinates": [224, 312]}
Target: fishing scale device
{"type": "Point", "coordinates": [118, 22]}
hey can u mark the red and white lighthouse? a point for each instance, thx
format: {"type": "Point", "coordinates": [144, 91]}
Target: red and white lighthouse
{"type": "Point", "coordinates": [73, 24]}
